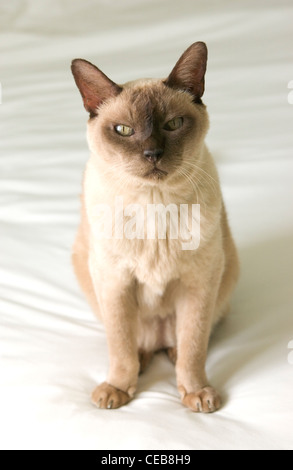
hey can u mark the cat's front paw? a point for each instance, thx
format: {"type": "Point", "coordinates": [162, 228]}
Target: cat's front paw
{"type": "Point", "coordinates": [107, 397]}
{"type": "Point", "coordinates": [205, 400]}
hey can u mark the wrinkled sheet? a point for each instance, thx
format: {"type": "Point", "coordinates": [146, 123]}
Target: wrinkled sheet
{"type": "Point", "coordinates": [52, 349]}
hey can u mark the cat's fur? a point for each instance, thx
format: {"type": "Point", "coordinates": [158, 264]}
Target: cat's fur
{"type": "Point", "coordinates": [150, 294]}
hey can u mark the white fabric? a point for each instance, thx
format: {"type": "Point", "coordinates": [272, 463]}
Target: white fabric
{"type": "Point", "coordinates": [53, 350]}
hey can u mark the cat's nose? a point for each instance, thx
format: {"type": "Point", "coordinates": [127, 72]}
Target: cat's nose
{"type": "Point", "coordinates": [153, 156]}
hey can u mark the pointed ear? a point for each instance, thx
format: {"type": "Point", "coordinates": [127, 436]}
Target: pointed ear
{"type": "Point", "coordinates": [189, 72]}
{"type": "Point", "coordinates": [95, 87]}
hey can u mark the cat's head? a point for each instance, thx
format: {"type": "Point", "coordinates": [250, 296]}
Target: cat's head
{"type": "Point", "coordinates": [148, 129]}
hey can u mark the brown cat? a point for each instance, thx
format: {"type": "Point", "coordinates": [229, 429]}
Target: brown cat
{"type": "Point", "coordinates": [147, 147]}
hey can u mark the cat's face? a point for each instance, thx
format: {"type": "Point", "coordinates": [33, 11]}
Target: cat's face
{"type": "Point", "coordinates": [147, 129]}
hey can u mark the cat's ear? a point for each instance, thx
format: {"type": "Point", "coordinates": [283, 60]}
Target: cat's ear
{"type": "Point", "coordinates": [189, 72]}
{"type": "Point", "coordinates": [95, 87]}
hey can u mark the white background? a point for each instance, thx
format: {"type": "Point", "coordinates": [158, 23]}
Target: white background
{"type": "Point", "coordinates": [53, 351]}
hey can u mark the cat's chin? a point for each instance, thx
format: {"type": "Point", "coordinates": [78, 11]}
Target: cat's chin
{"type": "Point", "coordinates": [156, 175]}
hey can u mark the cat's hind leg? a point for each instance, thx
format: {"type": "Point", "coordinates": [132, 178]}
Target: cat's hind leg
{"type": "Point", "coordinates": [145, 358]}
{"type": "Point", "coordinates": [80, 261]}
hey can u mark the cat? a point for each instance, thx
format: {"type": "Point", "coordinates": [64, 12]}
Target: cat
{"type": "Point", "coordinates": [147, 145]}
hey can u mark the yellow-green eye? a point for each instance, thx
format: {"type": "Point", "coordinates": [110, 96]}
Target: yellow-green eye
{"type": "Point", "coordinates": [123, 130]}
{"type": "Point", "coordinates": [174, 124]}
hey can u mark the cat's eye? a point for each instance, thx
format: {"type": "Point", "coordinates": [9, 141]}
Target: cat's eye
{"type": "Point", "coordinates": [123, 130]}
{"type": "Point", "coordinates": [174, 124]}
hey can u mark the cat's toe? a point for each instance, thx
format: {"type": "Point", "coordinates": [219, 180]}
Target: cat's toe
{"type": "Point", "coordinates": [205, 400]}
{"type": "Point", "coordinates": [107, 397]}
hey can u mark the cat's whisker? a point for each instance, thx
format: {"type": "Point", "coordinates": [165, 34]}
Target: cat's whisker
{"type": "Point", "coordinates": [178, 166]}
{"type": "Point", "coordinates": [195, 186]}
{"type": "Point", "coordinates": [208, 179]}
{"type": "Point", "coordinates": [200, 180]}
{"type": "Point", "coordinates": [191, 181]}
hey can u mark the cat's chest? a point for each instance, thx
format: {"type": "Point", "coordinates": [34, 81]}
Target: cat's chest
{"type": "Point", "coordinates": [157, 262]}
{"type": "Point", "coordinates": [156, 267]}
{"type": "Point", "coordinates": [145, 234]}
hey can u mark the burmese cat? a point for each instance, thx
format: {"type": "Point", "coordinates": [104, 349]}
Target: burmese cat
{"type": "Point", "coordinates": [147, 144]}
